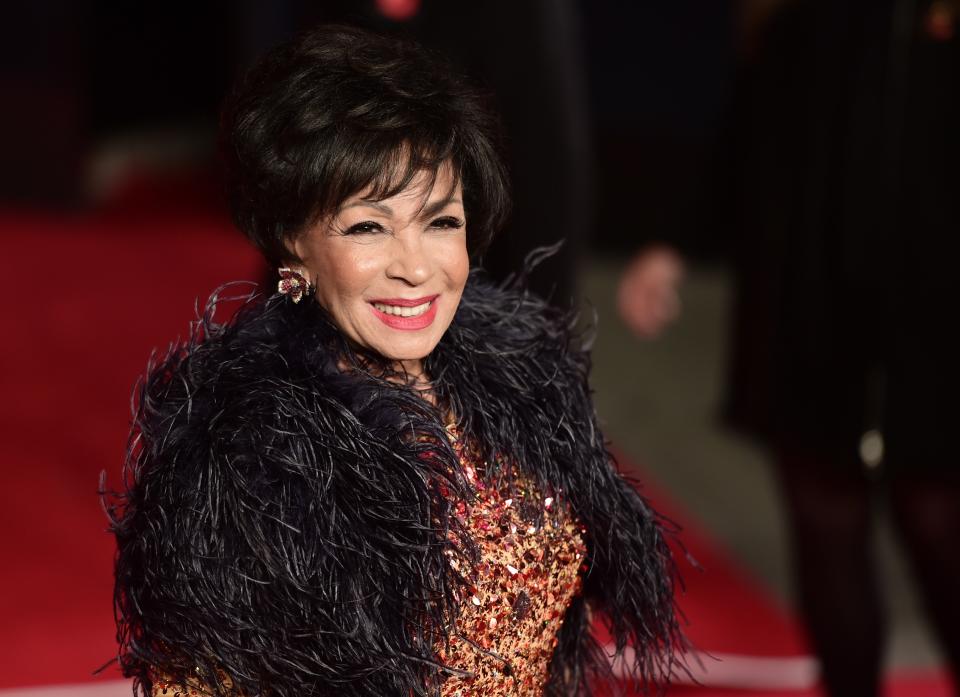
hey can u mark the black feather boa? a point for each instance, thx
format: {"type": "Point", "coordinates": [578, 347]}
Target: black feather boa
{"type": "Point", "coordinates": [281, 519]}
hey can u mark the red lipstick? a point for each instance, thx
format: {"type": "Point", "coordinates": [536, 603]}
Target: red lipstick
{"type": "Point", "coordinates": [406, 323]}
{"type": "Point", "coordinates": [405, 302]}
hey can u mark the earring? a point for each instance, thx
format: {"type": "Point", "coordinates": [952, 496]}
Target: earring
{"type": "Point", "coordinates": [293, 284]}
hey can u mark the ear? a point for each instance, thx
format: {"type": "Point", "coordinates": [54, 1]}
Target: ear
{"type": "Point", "coordinates": [295, 245]}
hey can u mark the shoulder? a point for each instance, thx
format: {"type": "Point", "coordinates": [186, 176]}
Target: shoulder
{"type": "Point", "coordinates": [258, 503]}
{"type": "Point", "coordinates": [248, 408]}
{"type": "Point", "coordinates": [229, 375]}
{"type": "Point", "coordinates": [517, 370]}
{"type": "Point", "coordinates": [505, 327]}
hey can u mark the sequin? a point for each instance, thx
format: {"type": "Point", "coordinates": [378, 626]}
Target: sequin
{"type": "Point", "coordinates": [527, 577]}
{"type": "Point", "coordinates": [164, 687]}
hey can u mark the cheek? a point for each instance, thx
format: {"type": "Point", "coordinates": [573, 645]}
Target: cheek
{"type": "Point", "coordinates": [457, 263]}
{"type": "Point", "coordinates": [345, 270]}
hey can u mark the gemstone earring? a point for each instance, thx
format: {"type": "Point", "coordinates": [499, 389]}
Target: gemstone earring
{"type": "Point", "coordinates": [293, 284]}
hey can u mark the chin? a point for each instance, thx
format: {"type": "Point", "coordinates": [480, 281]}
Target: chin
{"type": "Point", "coordinates": [400, 345]}
{"type": "Point", "coordinates": [411, 353]}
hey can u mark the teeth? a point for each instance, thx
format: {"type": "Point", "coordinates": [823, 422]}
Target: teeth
{"type": "Point", "coordinates": [402, 311]}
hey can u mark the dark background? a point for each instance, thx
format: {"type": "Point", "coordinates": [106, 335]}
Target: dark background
{"type": "Point", "coordinates": [647, 84]}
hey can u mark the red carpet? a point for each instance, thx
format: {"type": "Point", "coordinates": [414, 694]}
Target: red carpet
{"type": "Point", "coordinates": [84, 302]}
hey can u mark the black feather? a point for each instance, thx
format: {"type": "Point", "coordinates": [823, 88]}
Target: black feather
{"type": "Point", "coordinates": [282, 517]}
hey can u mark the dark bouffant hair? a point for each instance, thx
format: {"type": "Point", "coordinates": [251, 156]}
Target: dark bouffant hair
{"type": "Point", "coordinates": [340, 110]}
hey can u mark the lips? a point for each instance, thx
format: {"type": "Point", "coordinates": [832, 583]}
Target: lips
{"type": "Point", "coordinates": [406, 313]}
{"type": "Point", "coordinates": [406, 302]}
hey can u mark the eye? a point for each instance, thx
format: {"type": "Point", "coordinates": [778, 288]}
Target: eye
{"type": "Point", "coordinates": [447, 223]}
{"type": "Point", "coordinates": [365, 228]}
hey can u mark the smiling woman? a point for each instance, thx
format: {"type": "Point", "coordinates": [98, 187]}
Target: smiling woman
{"type": "Point", "coordinates": [391, 272]}
{"type": "Point", "coordinates": [386, 478]}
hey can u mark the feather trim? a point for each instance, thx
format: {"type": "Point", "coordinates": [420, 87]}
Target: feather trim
{"type": "Point", "coordinates": [281, 518]}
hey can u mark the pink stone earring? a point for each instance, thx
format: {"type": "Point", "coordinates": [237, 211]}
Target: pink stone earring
{"type": "Point", "coordinates": [293, 284]}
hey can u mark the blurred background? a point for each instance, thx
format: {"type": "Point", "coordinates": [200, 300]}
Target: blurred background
{"type": "Point", "coordinates": [759, 202]}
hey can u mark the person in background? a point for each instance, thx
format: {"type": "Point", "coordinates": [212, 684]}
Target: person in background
{"type": "Point", "coordinates": [841, 202]}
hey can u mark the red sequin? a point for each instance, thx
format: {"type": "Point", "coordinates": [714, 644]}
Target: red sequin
{"type": "Point", "coordinates": [528, 576]}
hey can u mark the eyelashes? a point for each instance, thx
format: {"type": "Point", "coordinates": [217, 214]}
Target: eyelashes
{"type": "Point", "coordinates": [370, 227]}
{"type": "Point", "coordinates": [449, 222]}
{"type": "Point", "coordinates": [365, 228]}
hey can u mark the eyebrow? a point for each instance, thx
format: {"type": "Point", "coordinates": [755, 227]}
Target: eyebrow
{"type": "Point", "coordinates": [428, 210]}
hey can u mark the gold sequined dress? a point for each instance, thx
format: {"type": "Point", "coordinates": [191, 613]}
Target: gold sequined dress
{"type": "Point", "coordinates": [526, 578]}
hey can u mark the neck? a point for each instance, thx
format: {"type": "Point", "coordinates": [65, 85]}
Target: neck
{"type": "Point", "coordinates": [417, 379]}
{"type": "Point", "coordinates": [409, 372]}
{"type": "Point", "coordinates": [413, 369]}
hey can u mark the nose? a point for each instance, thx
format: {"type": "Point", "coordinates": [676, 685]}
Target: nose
{"type": "Point", "coordinates": [409, 261]}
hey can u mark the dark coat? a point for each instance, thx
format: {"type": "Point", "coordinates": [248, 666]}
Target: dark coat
{"type": "Point", "coordinates": [846, 171]}
{"type": "Point", "coordinates": [280, 520]}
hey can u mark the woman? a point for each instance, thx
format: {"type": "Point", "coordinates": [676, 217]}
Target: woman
{"type": "Point", "coordinates": [386, 478]}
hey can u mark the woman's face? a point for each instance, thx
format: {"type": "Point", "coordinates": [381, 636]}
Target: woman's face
{"type": "Point", "coordinates": [391, 272]}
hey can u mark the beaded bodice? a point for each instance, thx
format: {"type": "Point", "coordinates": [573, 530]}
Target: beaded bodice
{"type": "Point", "coordinates": [511, 612]}
{"type": "Point", "coordinates": [528, 574]}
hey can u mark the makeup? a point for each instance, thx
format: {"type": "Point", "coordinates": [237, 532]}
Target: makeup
{"type": "Point", "coordinates": [406, 313]}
